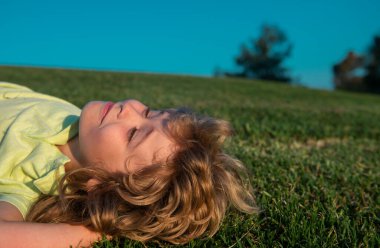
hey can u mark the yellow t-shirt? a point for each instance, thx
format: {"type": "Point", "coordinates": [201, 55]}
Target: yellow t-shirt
{"type": "Point", "coordinates": [31, 124]}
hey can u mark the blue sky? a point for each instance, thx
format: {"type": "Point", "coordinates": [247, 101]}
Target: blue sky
{"type": "Point", "coordinates": [182, 37]}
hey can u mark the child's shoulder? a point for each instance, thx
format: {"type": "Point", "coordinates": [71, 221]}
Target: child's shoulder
{"type": "Point", "coordinates": [6, 86]}
{"type": "Point", "coordinates": [16, 91]}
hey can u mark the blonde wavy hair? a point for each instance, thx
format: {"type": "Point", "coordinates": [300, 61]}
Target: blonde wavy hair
{"type": "Point", "coordinates": [183, 198]}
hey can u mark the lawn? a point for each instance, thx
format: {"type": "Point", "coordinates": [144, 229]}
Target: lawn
{"type": "Point", "coordinates": [314, 155]}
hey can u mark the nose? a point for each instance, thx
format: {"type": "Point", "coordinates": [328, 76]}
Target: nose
{"type": "Point", "coordinates": [132, 108]}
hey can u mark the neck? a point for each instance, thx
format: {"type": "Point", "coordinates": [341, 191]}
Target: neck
{"type": "Point", "coordinates": [71, 150]}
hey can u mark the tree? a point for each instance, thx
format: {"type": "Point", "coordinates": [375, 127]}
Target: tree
{"type": "Point", "coordinates": [372, 77]}
{"type": "Point", "coordinates": [346, 73]}
{"type": "Point", "coordinates": [346, 76]}
{"type": "Point", "coordinates": [264, 59]}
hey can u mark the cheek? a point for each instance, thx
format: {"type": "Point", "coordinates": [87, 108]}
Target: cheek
{"type": "Point", "coordinates": [90, 115]}
{"type": "Point", "coordinates": [104, 144]}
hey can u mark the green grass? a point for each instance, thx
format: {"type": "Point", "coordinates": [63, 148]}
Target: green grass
{"type": "Point", "coordinates": [314, 154]}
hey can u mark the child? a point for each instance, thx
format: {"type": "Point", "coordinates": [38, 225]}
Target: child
{"type": "Point", "coordinates": [118, 169]}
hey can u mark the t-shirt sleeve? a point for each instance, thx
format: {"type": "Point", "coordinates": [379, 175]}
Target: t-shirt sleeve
{"type": "Point", "coordinates": [18, 194]}
{"type": "Point", "coordinates": [24, 194]}
{"type": "Point", "coordinates": [19, 202]}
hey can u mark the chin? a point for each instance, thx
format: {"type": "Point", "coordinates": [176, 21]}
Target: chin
{"type": "Point", "coordinates": [90, 113]}
{"type": "Point", "coordinates": [92, 108]}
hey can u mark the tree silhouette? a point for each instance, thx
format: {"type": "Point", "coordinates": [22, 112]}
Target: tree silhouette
{"type": "Point", "coordinates": [264, 59]}
{"type": "Point", "coordinates": [372, 78]}
{"type": "Point", "coordinates": [345, 76]}
{"type": "Point", "coordinates": [345, 72]}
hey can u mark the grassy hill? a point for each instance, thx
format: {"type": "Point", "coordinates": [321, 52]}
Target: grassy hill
{"type": "Point", "coordinates": [314, 155]}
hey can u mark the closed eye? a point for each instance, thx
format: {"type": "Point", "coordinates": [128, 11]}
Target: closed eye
{"type": "Point", "coordinates": [133, 131]}
{"type": "Point", "coordinates": [131, 134]}
{"type": "Point", "coordinates": [147, 110]}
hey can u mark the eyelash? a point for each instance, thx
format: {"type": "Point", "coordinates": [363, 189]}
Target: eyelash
{"type": "Point", "coordinates": [131, 134]}
{"type": "Point", "coordinates": [134, 130]}
{"type": "Point", "coordinates": [147, 112]}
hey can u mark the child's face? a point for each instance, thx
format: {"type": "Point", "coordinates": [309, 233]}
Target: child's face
{"type": "Point", "coordinates": [112, 135]}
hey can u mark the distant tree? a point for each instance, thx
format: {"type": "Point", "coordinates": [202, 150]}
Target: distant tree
{"type": "Point", "coordinates": [263, 60]}
{"type": "Point", "coordinates": [372, 77]}
{"type": "Point", "coordinates": [346, 73]}
{"type": "Point", "coordinates": [359, 72]}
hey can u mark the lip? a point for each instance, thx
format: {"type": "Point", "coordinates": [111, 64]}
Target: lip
{"type": "Point", "coordinates": [106, 109]}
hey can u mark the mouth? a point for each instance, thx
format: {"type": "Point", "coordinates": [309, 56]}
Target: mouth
{"type": "Point", "coordinates": [106, 109]}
